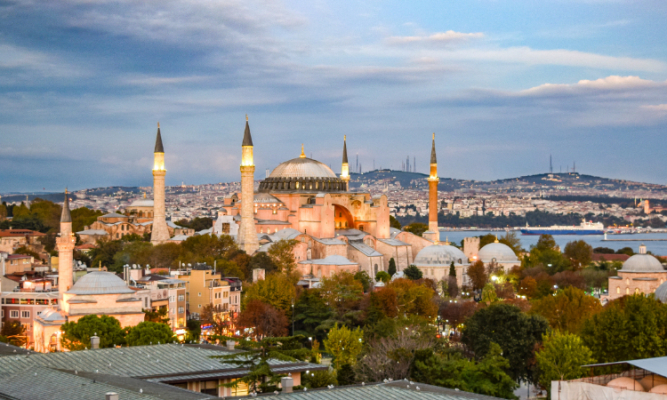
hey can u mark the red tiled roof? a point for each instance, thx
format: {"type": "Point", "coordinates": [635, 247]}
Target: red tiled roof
{"type": "Point", "coordinates": [610, 257]}
{"type": "Point", "coordinates": [17, 256]}
{"type": "Point", "coordinates": [19, 232]}
{"type": "Point", "coordinates": [86, 246]}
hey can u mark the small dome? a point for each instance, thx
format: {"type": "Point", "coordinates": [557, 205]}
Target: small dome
{"type": "Point", "coordinates": [99, 282]}
{"type": "Point", "coordinates": [440, 255]}
{"type": "Point", "coordinates": [652, 381]}
{"type": "Point", "coordinates": [498, 252]}
{"type": "Point", "coordinates": [626, 383]}
{"type": "Point", "coordinates": [142, 203]}
{"type": "Point", "coordinates": [660, 389]}
{"type": "Point", "coordinates": [642, 263]}
{"type": "Point", "coordinates": [661, 293]}
{"type": "Point", "coordinates": [302, 168]}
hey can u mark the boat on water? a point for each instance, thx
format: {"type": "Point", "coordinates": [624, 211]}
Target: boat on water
{"type": "Point", "coordinates": [585, 228]}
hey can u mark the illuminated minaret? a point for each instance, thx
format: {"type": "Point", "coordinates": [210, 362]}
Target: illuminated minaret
{"type": "Point", "coordinates": [65, 244]}
{"type": "Point", "coordinates": [247, 231]}
{"type": "Point", "coordinates": [159, 232]}
{"type": "Point", "coordinates": [433, 233]}
{"type": "Point", "coordinates": [345, 169]}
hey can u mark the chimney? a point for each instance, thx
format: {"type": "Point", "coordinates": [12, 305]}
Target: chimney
{"type": "Point", "coordinates": [111, 396]}
{"type": "Point", "coordinates": [287, 383]}
{"type": "Point", "coordinates": [231, 344]}
{"type": "Point", "coordinates": [95, 342]}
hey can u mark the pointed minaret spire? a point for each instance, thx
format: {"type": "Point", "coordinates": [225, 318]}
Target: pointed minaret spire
{"type": "Point", "coordinates": [434, 159]}
{"type": "Point", "coordinates": [159, 148]}
{"type": "Point", "coordinates": [247, 138]}
{"type": "Point", "coordinates": [345, 168]}
{"type": "Point", "coordinates": [66, 216]}
{"type": "Point", "coordinates": [303, 154]}
{"type": "Point", "coordinates": [433, 233]}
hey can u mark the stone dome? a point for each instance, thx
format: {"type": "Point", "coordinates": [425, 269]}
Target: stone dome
{"type": "Point", "coordinates": [302, 168]}
{"type": "Point", "coordinates": [99, 282]}
{"type": "Point", "coordinates": [642, 263]}
{"type": "Point", "coordinates": [661, 293]}
{"type": "Point", "coordinates": [498, 252]}
{"type": "Point", "coordinates": [440, 255]}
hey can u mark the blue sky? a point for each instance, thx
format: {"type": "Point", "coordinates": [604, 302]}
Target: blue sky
{"type": "Point", "coordinates": [503, 84]}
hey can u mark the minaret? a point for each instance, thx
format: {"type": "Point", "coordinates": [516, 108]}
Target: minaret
{"type": "Point", "coordinates": [65, 244]}
{"type": "Point", "coordinates": [160, 232]}
{"type": "Point", "coordinates": [247, 231]}
{"type": "Point", "coordinates": [433, 180]}
{"type": "Point", "coordinates": [345, 169]}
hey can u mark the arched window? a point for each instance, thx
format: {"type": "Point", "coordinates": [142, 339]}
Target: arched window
{"type": "Point", "coordinates": [627, 281]}
{"type": "Point", "coordinates": [636, 290]}
{"type": "Point", "coordinates": [627, 290]}
{"type": "Point", "coordinates": [376, 269]}
{"type": "Point", "coordinates": [618, 290]}
{"type": "Point", "coordinates": [460, 261]}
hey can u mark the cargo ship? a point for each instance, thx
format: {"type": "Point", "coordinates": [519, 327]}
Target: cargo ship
{"type": "Point", "coordinates": [585, 228]}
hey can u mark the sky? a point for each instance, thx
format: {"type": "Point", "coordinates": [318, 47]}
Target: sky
{"type": "Point", "coordinates": [503, 84]}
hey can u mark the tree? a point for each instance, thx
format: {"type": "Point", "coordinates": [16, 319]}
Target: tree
{"type": "Point", "coordinates": [366, 282]}
{"type": "Point", "coordinates": [14, 333]}
{"type": "Point", "coordinates": [570, 279]}
{"type": "Point", "coordinates": [213, 316]}
{"type": "Point", "coordinates": [628, 328]}
{"type": "Point", "coordinates": [487, 376]}
{"type": "Point", "coordinates": [255, 359]}
{"type": "Point", "coordinates": [342, 292]}
{"type": "Point", "coordinates": [528, 287]}
{"type": "Point", "coordinates": [160, 316]}
{"type": "Point", "coordinates": [193, 331]}
{"type": "Point", "coordinates": [276, 290]}
{"type": "Point", "coordinates": [344, 345]}
{"type": "Point", "coordinates": [261, 260]}
{"type": "Point", "coordinates": [148, 332]}
{"type": "Point", "coordinates": [393, 223]}
{"type": "Point", "coordinates": [626, 250]}
{"type": "Point", "coordinates": [82, 217]}
{"type": "Point", "coordinates": [382, 276]}
{"type": "Point", "coordinates": [477, 274]}
{"type": "Point", "coordinates": [387, 301]}
{"type": "Point", "coordinates": [26, 251]}
{"type": "Point", "coordinates": [456, 313]}
{"type": "Point", "coordinates": [282, 255]}
{"type": "Point", "coordinates": [345, 375]}
{"type": "Point", "coordinates": [3, 212]}
{"type": "Point", "coordinates": [416, 228]}
{"type": "Point", "coordinates": [310, 312]}
{"type": "Point", "coordinates": [579, 253]}
{"type": "Point", "coordinates": [392, 267]}
{"type": "Point", "coordinates": [489, 294]}
{"type": "Point", "coordinates": [319, 379]}
{"type": "Point", "coordinates": [413, 273]}
{"type": "Point", "coordinates": [414, 299]}
{"type": "Point", "coordinates": [76, 335]}
{"type": "Point", "coordinates": [567, 310]}
{"type": "Point", "coordinates": [512, 240]}
{"type": "Point", "coordinates": [515, 332]}
{"type": "Point", "coordinates": [263, 320]}
{"type": "Point", "coordinates": [103, 254]}
{"type": "Point", "coordinates": [452, 283]}
{"type": "Point", "coordinates": [561, 358]}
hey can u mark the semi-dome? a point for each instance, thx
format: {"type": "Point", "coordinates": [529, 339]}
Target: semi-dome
{"type": "Point", "coordinates": [497, 252]}
{"type": "Point", "coordinates": [642, 263]}
{"type": "Point", "coordinates": [99, 282]}
{"type": "Point", "coordinates": [302, 168]}
{"type": "Point", "coordinates": [440, 255]}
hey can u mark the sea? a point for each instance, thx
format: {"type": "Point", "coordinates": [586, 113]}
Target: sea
{"type": "Point", "coordinates": [656, 243]}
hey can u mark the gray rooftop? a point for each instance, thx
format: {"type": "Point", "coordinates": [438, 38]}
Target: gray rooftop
{"type": "Point", "coordinates": [365, 249]}
{"type": "Point", "coordinates": [657, 365]}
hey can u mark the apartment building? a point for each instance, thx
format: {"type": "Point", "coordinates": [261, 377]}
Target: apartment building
{"type": "Point", "coordinates": [167, 293]}
{"type": "Point", "coordinates": [204, 286]}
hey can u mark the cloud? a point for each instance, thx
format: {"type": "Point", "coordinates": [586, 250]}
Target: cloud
{"type": "Point", "coordinates": [609, 86]}
{"type": "Point", "coordinates": [658, 107]}
{"type": "Point", "coordinates": [436, 38]}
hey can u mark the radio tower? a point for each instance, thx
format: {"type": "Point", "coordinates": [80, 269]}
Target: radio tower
{"type": "Point", "coordinates": [551, 165]}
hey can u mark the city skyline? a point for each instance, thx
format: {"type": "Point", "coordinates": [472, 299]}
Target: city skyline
{"type": "Point", "coordinates": [503, 86]}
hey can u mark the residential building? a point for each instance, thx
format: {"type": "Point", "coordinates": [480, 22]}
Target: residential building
{"type": "Point", "coordinates": [167, 294]}
{"type": "Point", "coordinates": [204, 287]}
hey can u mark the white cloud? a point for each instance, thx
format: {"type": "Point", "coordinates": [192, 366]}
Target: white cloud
{"type": "Point", "coordinates": [608, 85]}
{"type": "Point", "coordinates": [658, 107]}
{"type": "Point", "coordinates": [436, 38]}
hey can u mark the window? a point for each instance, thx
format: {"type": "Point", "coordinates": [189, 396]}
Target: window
{"type": "Point", "coordinates": [627, 290]}
{"type": "Point", "coordinates": [209, 387]}
{"type": "Point", "coordinates": [198, 305]}
{"type": "Point", "coordinates": [199, 294]}
{"type": "Point", "coordinates": [181, 297]}
{"type": "Point", "coordinates": [240, 390]}
{"type": "Point", "coordinates": [180, 310]}
{"type": "Point", "coordinates": [13, 314]}
{"type": "Point", "coordinates": [25, 314]}
{"type": "Point", "coordinates": [636, 290]}
{"type": "Point", "coordinates": [618, 290]}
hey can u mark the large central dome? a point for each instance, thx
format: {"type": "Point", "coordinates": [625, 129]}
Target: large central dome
{"type": "Point", "coordinates": [302, 168]}
{"type": "Point", "coordinates": [302, 174]}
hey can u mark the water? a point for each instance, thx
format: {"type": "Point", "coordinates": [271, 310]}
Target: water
{"type": "Point", "coordinates": [657, 248]}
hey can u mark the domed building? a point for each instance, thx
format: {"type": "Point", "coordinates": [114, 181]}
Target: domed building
{"type": "Point", "coordinates": [641, 273]}
{"type": "Point", "coordinates": [306, 196]}
{"type": "Point", "coordinates": [434, 261]}
{"type": "Point", "coordinates": [498, 254]}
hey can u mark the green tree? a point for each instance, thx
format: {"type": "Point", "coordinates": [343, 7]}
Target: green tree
{"type": "Point", "coordinates": [159, 315]}
{"type": "Point", "coordinates": [628, 328]}
{"type": "Point", "coordinates": [132, 252]}
{"type": "Point", "coordinates": [413, 272]}
{"type": "Point", "coordinates": [489, 294]}
{"type": "Point", "coordinates": [148, 332]}
{"type": "Point", "coordinates": [567, 310]}
{"type": "Point", "coordinates": [561, 358]}
{"type": "Point", "coordinates": [255, 358]}
{"type": "Point", "coordinates": [48, 212]}
{"type": "Point", "coordinates": [515, 332]}
{"type": "Point", "coordinates": [393, 222]}
{"type": "Point", "coordinates": [26, 251]}
{"type": "Point", "coordinates": [261, 260]}
{"type": "Point", "coordinates": [579, 253]}
{"type": "Point", "coordinates": [512, 240]}
{"type": "Point", "coordinates": [276, 290]}
{"type": "Point", "coordinates": [14, 333]}
{"type": "Point", "coordinates": [478, 275]}
{"type": "Point", "coordinates": [452, 282]}
{"type": "Point", "coordinates": [626, 250]}
{"type": "Point", "coordinates": [103, 254]}
{"type": "Point", "coordinates": [76, 335]}
{"type": "Point", "coordinates": [319, 379]}
{"type": "Point", "coordinates": [3, 212]}
{"type": "Point", "coordinates": [487, 376]}
{"type": "Point", "coordinates": [345, 375]}
{"type": "Point", "coordinates": [193, 331]}
{"type": "Point", "coordinates": [344, 344]}
{"type": "Point", "coordinates": [310, 313]}
{"type": "Point", "coordinates": [392, 267]}
{"type": "Point", "coordinates": [366, 282]}
{"type": "Point", "coordinates": [382, 276]}
{"type": "Point", "coordinates": [416, 228]}
{"type": "Point", "coordinates": [342, 292]}
{"type": "Point", "coordinates": [20, 211]}
{"type": "Point", "coordinates": [82, 217]}
{"type": "Point", "coordinates": [282, 255]}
